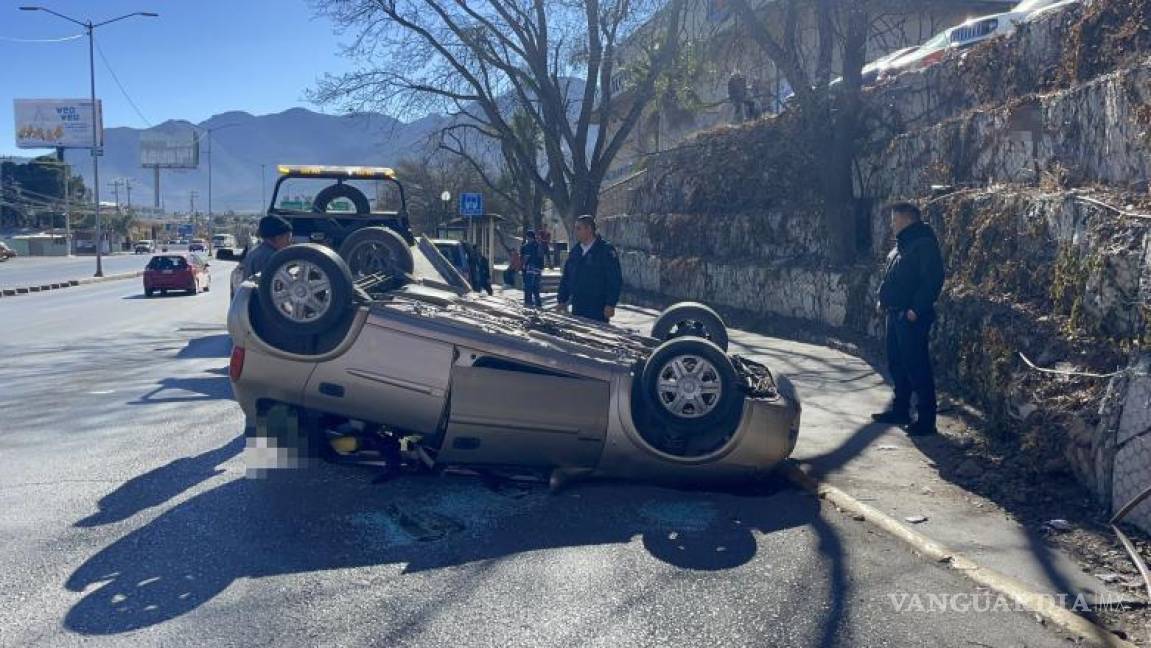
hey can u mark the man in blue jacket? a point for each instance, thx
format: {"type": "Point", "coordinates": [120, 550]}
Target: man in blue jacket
{"type": "Point", "coordinates": [533, 262]}
{"type": "Point", "coordinates": [591, 280]}
{"type": "Point", "coordinates": [911, 283]}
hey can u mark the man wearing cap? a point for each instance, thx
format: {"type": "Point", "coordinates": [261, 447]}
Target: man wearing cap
{"type": "Point", "coordinates": [276, 233]}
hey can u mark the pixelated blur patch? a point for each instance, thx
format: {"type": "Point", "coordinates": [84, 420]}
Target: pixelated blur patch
{"type": "Point", "coordinates": [276, 442]}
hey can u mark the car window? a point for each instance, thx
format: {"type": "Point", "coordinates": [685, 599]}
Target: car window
{"type": "Point", "coordinates": [167, 263]}
{"type": "Point", "coordinates": [451, 252]}
{"type": "Point", "coordinates": [980, 29]}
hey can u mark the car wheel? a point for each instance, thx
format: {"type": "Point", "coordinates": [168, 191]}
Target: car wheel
{"type": "Point", "coordinates": [163, 292]}
{"type": "Point", "coordinates": [305, 289]}
{"type": "Point", "coordinates": [377, 250]}
{"type": "Point", "coordinates": [690, 319]}
{"type": "Point", "coordinates": [148, 292]}
{"type": "Point", "coordinates": [690, 386]}
{"type": "Point", "coordinates": [337, 191]}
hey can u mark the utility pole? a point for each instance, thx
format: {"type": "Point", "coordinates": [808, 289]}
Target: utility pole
{"type": "Point", "coordinates": [263, 189]}
{"type": "Point", "coordinates": [66, 193]}
{"type": "Point", "coordinates": [192, 203]}
{"type": "Point", "coordinates": [115, 184]}
{"type": "Point", "coordinates": [89, 28]}
{"type": "Point", "coordinates": [128, 186]}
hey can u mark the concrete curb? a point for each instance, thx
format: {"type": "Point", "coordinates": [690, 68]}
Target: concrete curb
{"type": "Point", "coordinates": [25, 290]}
{"type": "Point", "coordinates": [1041, 604]}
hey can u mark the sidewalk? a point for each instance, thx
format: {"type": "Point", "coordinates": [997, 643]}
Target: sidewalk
{"type": "Point", "coordinates": [901, 477]}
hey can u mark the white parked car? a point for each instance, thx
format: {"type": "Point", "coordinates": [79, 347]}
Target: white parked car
{"type": "Point", "coordinates": [959, 37]}
{"type": "Point", "coordinates": [1048, 7]}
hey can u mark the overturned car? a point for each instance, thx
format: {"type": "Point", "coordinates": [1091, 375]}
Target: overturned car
{"type": "Point", "coordinates": [405, 366]}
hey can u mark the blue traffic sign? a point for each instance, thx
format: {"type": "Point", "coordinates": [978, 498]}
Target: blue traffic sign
{"type": "Point", "coordinates": [471, 204]}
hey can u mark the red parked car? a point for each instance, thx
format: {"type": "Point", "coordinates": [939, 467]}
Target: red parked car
{"type": "Point", "coordinates": [187, 272]}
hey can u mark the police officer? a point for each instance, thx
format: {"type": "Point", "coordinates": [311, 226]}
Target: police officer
{"type": "Point", "coordinates": [911, 283]}
{"type": "Point", "coordinates": [533, 266]}
{"type": "Point", "coordinates": [591, 279]}
{"type": "Point", "coordinates": [276, 233]}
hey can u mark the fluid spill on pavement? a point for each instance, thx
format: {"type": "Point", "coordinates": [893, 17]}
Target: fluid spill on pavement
{"type": "Point", "coordinates": [683, 516]}
{"type": "Point", "coordinates": [448, 508]}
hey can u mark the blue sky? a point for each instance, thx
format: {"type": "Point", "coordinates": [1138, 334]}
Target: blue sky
{"type": "Point", "coordinates": [199, 58]}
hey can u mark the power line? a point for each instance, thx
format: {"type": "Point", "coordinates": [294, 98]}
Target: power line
{"type": "Point", "coordinates": [120, 85]}
{"type": "Point", "coordinates": [9, 39]}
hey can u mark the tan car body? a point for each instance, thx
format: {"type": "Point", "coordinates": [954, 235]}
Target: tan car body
{"type": "Point", "coordinates": [419, 362]}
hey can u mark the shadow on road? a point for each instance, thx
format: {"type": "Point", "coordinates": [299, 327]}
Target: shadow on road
{"type": "Point", "coordinates": [209, 346]}
{"type": "Point", "coordinates": [171, 294]}
{"type": "Point", "coordinates": [324, 519]}
{"type": "Point", "coordinates": [160, 485]}
{"type": "Point", "coordinates": [200, 388]}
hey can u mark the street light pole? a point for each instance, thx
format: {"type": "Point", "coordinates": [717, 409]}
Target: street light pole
{"type": "Point", "coordinates": [89, 29]}
{"type": "Point", "coordinates": [263, 188]}
{"type": "Point", "coordinates": [209, 131]}
{"type": "Point", "coordinates": [95, 158]}
{"type": "Point", "coordinates": [446, 197]}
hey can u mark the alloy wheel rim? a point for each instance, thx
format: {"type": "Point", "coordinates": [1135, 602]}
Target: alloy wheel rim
{"type": "Point", "coordinates": [689, 386]}
{"type": "Point", "coordinates": [301, 291]}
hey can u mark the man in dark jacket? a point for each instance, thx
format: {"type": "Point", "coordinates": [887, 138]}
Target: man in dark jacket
{"type": "Point", "coordinates": [591, 279]}
{"type": "Point", "coordinates": [276, 233]}
{"type": "Point", "coordinates": [533, 266]}
{"type": "Point", "coordinates": [911, 283]}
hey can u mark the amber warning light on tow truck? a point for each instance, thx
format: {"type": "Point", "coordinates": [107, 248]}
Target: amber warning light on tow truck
{"type": "Point", "coordinates": [330, 171]}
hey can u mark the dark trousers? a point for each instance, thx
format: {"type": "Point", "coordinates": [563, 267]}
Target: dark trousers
{"type": "Point", "coordinates": [590, 313]}
{"type": "Point", "coordinates": [532, 289]}
{"type": "Point", "coordinates": [909, 361]}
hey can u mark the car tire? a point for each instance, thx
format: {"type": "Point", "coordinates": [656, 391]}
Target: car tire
{"type": "Point", "coordinates": [163, 292]}
{"type": "Point", "coordinates": [305, 289]}
{"type": "Point", "coordinates": [148, 292]}
{"type": "Point", "coordinates": [377, 250]}
{"type": "Point", "coordinates": [710, 399]}
{"type": "Point", "coordinates": [337, 191]}
{"type": "Point", "coordinates": [690, 319]}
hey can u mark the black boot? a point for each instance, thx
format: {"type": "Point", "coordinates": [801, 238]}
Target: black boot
{"type": "Point", "coordinates": [892, 416]}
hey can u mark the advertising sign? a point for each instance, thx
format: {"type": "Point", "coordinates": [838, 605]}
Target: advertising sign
{"type": "Point", "coordinates": [180, 150]}
{"type": "Point", "coordinates": [52, 123]}
{"type": "Point", "coordinates": [471, 204]}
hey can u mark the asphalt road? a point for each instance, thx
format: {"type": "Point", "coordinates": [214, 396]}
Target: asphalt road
{"type": "Point", "coordinates": [127, 519]}
{"type": "Point", "coordinates": [28, 271]}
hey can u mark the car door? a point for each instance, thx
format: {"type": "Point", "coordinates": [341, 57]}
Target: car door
{"type": "Point", "coordinates": [502, 416]}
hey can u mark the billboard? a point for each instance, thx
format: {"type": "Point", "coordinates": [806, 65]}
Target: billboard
{"type": "Point", "coordinates": [52, 123]}
{"type": "Point", "coordinates": [179, 150]}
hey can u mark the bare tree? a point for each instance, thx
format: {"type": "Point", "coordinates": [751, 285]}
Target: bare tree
{"type": "Point", "coordinates": [804, 39]}
{"type": "Point", "coordinates": [484, 60]}
{"type": "Point", "coordinates": [508, 176]}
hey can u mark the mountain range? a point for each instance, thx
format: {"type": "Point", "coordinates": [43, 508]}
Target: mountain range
{"type": "Point", "coordinates": [241, 143]}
